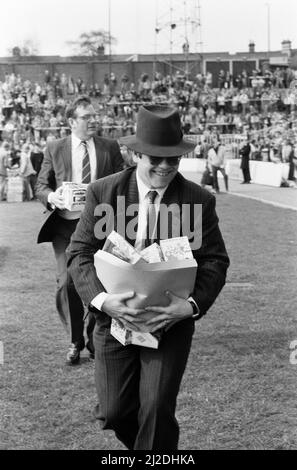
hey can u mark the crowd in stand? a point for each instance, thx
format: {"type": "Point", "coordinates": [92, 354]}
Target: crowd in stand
{"type": "Point", "coordinates": [264, 107]}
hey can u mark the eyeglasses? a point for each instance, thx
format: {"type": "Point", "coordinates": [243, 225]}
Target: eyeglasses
{"type": "Point", "coordinates": [87, 117]}
{"type": "Point", "coordinates": [172, 161]}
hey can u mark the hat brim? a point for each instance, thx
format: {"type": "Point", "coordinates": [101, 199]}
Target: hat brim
{"type": "Point", "coordinates": [138, 146]}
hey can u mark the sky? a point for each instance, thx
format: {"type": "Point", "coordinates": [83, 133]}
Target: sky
{"type": "Point", "coordinates": [225, 25]}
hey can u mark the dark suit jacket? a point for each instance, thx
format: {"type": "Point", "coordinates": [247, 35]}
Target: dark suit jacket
{"type": "Point", "coordinates": [245, 156]}
{"type": "Point", "coordinates": [56, 168]}
{"type": "Point", "coordinates": [211, 257]}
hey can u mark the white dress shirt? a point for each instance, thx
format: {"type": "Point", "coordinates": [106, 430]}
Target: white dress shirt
{"type": "Point", "coordinates": [142, 210]}
{"type": "Point", "coordinates": [77, 155]}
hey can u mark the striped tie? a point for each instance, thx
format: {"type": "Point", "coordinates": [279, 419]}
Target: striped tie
{"type": "Point", "coordinates": [151, 217]}
{"type": "Point", "coordinates": [86, 167]}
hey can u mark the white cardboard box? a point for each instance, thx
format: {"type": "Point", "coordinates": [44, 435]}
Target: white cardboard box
{"type": "Point", "coordinates": [74, 195]}
{"type": "Point", "coordinates": [15, 189]}
{"type": "Point", "coordinates": [138, 338]}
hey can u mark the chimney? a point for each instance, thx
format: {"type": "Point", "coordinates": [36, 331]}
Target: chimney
{"type": "Point", "coordinates": [101, 50]}
{"type": "Point", "coordinates": [251, 47]}
{"type": "Point", "coordinates": [286, 46]}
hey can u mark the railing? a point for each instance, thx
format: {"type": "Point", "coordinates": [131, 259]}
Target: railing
{"type": "Point", "coordinates": [231, 141]}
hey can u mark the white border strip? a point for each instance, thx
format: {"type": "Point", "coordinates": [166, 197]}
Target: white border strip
{"type": "Point", "coordinates": [265, 201]}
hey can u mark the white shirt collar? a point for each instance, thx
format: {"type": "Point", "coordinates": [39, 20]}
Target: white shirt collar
{"type": "Point", "coordinates": [143, 189]}
{"type": "Point", "coordinates": [75, 141]}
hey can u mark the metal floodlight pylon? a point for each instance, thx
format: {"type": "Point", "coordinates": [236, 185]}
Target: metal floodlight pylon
{"type": "Point", "coordinates": [178, 28]}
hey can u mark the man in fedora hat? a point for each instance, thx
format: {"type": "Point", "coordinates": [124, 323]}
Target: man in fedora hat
{"type": "Point", "coordinates": [137, 387]}
{"type": "Point", "coordinates": [81, 157]}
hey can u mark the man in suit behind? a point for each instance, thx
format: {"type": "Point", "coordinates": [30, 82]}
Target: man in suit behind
{"type": "Point", "coordinates": [137, 386]}
{"type": "Point", "coordinates": [80, 158]}
{"type": "Point", "coordinates": [244, 152]}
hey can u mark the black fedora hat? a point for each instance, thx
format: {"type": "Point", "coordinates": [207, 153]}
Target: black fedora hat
{"type": "Point", "coordinates": [158, 133]}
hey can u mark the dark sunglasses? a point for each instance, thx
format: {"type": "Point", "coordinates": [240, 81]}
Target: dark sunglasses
{"type": "Point", "coordinates": [87, 117]}
{"type": "Point", "coordinates": [172, 161]}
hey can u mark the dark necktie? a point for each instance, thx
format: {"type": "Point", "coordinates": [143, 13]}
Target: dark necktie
{"type": "Point", "coordinates": [86, 166]}
{"type": "Point", "coordinates": [151, 217]}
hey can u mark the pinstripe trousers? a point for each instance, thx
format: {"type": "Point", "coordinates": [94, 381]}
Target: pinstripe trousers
{"type": "Point", "coordinates": [69, 305]}
{"type": "Point", "coordinates": [137, 387]}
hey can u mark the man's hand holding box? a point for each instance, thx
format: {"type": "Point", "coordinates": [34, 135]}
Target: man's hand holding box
{"type": "Point", "coordinates": [74, 195]}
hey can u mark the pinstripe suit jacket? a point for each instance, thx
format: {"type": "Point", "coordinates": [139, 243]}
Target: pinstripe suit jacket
{"type": "Point", "coordinates": [211, 257]}
{"type": "Point", "coordinates": [57, 167]}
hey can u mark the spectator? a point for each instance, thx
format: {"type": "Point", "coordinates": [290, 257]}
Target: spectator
{"type": "Point", "coordinates": [47, 76]}
{"type": "Point", "coordinates": [216, 161]}
{"type": "Point", "coordinates": [244, 77]}
{"type": "Point", "coordinates": [243, 100]}
{"type": "Point", "coordinates": [238, 82]}
{"type": "Point", "coordinates": [265, 150]}
{"type": "Point", "coordinates": [245, 165]}
{"type": "Point", "coordinates": [221, 79]}
{"type": "Point", "coordinates": [210, 114]}
{"type": "Point", "coordinates": [4, 164]}
{"type": "Point", "coordinates": [36, 157]}
{"type": "Point", "coordinates": [208, 79]}
{"type": "Point", "coordinates": [288, 157]}
{"type": "Point", "coordinates": [234, 103]}
{"type": "Point", "coordinates": [221, 102]}
{"type": "Point", "coordinates": [28, 173]}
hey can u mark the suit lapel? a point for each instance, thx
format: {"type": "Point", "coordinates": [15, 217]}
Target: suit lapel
{"type": "Point", "coordinates": [132, 190]}
{"type": "Point", "coordinates": [186, 222]}
{"type": "Point", "coordinates": [171, 196]}
{"type": "Point", "coordinates": [100, 158]}
{"type": "Point", "coordinates": [67, 158]}
{"type": "Point", "coordinates": [127, 215]}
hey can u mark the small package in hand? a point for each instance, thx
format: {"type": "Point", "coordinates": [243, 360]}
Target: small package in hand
{"type": "Point", "coordinates": [74, 195]}
{"type": "Point", "coordinates": [139, 338]}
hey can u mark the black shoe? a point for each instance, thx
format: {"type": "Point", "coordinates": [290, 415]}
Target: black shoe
{"type": "Point", "coordinates": [73, 354]}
